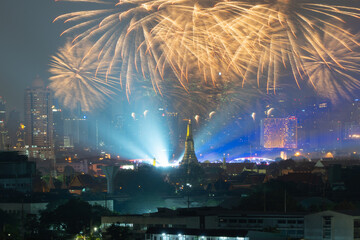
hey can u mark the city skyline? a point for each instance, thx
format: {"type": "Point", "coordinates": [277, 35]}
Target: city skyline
{"type": "Point", "coordinates": [317, 127]}
{"type": "Point", "coordinates": [163, 119]}
{"type": "Point", "coordinates": [36, 49]}
{"type": "Point", "coordinates": [99, 85]}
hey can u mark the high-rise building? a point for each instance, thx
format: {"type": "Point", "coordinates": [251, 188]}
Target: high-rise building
{"type": "Point", "coordinates": [13, 125]}
{"type": "Point", "coordinates": [39, 121]}
{"type": "Point", "coordinates": [2, 110]}
{"type": "Point", "coordinates": [58, 128]}
{"type": "Point", "coordinates": [173, 130]}
{"type": "Point", "coordinates": [189, 155]}
{"type": "Point", "coordinates": [279, 132]}
{"type": "Point", "coordinates": [76, 132]}
{"type": "Point", "coordinates": [3, 130]}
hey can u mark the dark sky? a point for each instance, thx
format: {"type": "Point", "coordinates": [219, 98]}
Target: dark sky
{"type": "Point", "coordinates": [27, 40]}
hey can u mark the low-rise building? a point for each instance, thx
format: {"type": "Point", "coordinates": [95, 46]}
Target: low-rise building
{"type": "Point", "coordinates": [34, 208]}
{"type": "Point", "coordinates": [335, 225]}
{"type": "Point", "coordinates": [23, 208]}
{"type": "Point", "coordinates": [192, 234]}
{"type": "Point", "coordinates": [16, 172]}
{"type": "Point", "coordinates": [286, 224]}
{"type": "Point", "coordinates": [80, 166]}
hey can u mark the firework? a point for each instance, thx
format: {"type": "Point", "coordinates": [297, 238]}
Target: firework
{"type": "Point", "coordinates": [197, 118]}
{"type": "Point", "coordinates": [192, 43]}
{"type": "Point", "coordinates": [334, 69]}
{"type": "Point", "coordinates": [246, 40]}
{"type": "Point", "coordinates": [253, 116]}
{"type": "Point", "coordinates": [121, 33]}
{"type": "Point", "coordinates": [273, 32]}
{"type": "Point", "coordinates": [77, 80]}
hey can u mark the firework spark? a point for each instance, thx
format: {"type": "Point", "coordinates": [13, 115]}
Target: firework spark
{"type": "Point", "coordinates": [78, 80]}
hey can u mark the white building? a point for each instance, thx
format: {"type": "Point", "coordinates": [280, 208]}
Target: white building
{"type": "Point", "coordinates": [341, 225]}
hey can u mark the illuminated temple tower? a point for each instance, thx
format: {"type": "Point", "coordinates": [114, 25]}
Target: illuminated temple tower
{"type": "Point", "coordinates": [189, 155]}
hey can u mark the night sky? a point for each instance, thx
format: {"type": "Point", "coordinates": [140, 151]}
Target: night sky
{"type": "Point", "coordinates": [28, 39]}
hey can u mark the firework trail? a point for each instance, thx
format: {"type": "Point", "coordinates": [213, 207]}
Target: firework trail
{"type": "Point", "coordinates": [121, 31]}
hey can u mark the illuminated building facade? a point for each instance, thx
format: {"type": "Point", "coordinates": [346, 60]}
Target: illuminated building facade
{"type": "Point", "coordinates": [279, 132]}
{"type": "Point", "coordinates": [189, 155]}
{"type": "Point", "coordinates": [39, 121]}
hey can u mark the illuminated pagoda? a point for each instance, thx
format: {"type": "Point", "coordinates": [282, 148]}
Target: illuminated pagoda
{"type": "Point", "coordinates": [189, 155]}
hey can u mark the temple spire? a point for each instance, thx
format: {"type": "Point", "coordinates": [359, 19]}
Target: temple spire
{"type": "Point", "coordinates": [189, 131]}
{"type": "Point", "coordinates": [189, 155]}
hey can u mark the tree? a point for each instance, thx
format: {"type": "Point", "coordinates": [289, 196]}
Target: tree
{"type": "Point", "coordinates": [191, 173]}
{"type": "Point", "coordinates": [115, 232]}
{"type": "Point", "coordinates": [9, 228]}
{"type": "Point", "coordinates": [70, 218]}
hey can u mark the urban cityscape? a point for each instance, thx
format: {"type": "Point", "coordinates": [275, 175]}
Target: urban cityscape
{"type": "Point", "coordinates": [180, 120]}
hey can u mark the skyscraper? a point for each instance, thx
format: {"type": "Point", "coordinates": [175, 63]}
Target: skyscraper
{"type": "Point", "coordinates": [13, 125]}
{"type": "Point", "coordinates": [58, 129]}
{"type": "Point", "coordinates": [39, 121]}
{"type": "Point", "coordinates": [76, 131]}
{"type": "Point", "coordinates": [189, 155]}
{"type": "Point", "coordinates": [279, 132]}
{"type": "Point", "coordinates": [3, 129]}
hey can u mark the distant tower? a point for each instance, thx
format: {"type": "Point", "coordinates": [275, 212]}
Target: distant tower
{"type": "Point", "coordinates": [189, 155]}
{"type": "Point", "coordinates": [224, 163]}
{"type": "Point", "coordinates": [3, 127]}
